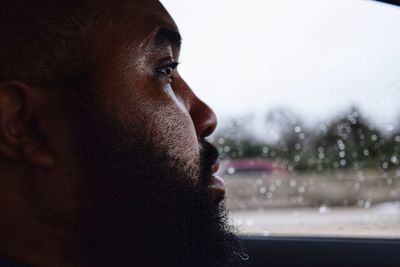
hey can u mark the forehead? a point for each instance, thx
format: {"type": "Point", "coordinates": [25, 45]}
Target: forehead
{"type": "Point", "coordinates": [127, 25]}
{"type": "Point", "coordinates": [125, 35]}
{"type": "Point", "coordinates": [139, 19]}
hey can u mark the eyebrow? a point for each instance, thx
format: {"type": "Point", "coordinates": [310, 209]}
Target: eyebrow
{"type": "Point", "coordinates": [166, 36]}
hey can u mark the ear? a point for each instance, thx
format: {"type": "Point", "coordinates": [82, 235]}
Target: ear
{"type": "Point", "coordinates": [21, 136]}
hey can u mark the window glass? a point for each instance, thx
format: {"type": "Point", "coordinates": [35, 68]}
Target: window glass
{"type": "Point", "coordinates": [308, 99]}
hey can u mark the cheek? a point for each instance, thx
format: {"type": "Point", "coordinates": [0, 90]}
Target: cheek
{"type": "Point", "coordinates": [164, 126]}
{"type": "Point", "coordinates": [173, 134]}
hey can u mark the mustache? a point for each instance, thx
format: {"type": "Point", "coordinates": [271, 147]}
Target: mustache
{"type": "Point", "coordinates": [209, 156]}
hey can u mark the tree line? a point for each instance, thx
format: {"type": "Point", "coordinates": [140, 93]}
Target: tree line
{"type": "Point", "coordinates": [349, 140]}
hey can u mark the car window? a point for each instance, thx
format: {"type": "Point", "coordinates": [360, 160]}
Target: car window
{"type": "Point", "coordinates": [307, 95]}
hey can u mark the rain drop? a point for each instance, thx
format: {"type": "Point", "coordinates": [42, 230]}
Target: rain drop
{"type": "Point", "coordinates": [301, 190]}
{"type": "Point", "coordinates": [385, 165]}
{"type": "Point", "coordinates": [266, 233]}
{"type": "Point", "coordinates": [323, 210]}
{"type": "Point", "coordinates": [262, 190]}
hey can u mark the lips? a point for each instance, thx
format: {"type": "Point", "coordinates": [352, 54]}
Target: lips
{"type": "Point", "coordinates": [217, 184]}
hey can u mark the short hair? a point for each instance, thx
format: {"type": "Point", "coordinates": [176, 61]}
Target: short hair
{"type": "Point", "coordinates": [44, 41]}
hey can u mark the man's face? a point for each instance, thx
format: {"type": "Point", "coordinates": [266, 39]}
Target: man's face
{"type": "Point", "coordinates": [138, 85]}
{"type": "Point", "coordinates": [142, 169]}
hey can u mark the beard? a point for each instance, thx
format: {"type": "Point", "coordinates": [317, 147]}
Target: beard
{"type": "Point", "coordinates": [142, 206]}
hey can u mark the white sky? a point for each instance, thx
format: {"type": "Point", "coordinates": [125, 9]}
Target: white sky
{"type": "Point", "coordinates": [317, 57]}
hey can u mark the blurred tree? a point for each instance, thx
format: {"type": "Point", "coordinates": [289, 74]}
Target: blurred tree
{"type": "Point", "coordinates": [348, 141]}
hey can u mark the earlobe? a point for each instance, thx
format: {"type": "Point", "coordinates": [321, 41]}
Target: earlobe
{"type": "Point", "coordinates": [21, 138]}
{"type": "Point", "coordinates": [37, 154]}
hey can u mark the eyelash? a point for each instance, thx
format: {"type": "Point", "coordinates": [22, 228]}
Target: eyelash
{"type": "Point", "coordinates": [167, 70]}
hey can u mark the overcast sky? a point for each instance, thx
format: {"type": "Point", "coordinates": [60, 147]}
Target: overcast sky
{"type": "Point", "coordinates": [316, 57]}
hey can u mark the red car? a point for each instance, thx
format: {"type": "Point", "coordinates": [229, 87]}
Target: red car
{"type": "Point", "coordinates": [250, 167]}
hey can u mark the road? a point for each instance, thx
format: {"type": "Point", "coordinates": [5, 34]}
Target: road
{"type": "Point", "coordinates": [378, 221]}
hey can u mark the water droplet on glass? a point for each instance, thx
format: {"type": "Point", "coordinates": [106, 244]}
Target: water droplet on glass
{"type": "Point", "coordinates": [374, 137]}
{"type": "Point", "coordinates": [340, 144]}
{"type": "Point", "coordinates": [292, 183]}
{"type": "Point", "coordinates": [397, 138]}
{"type": "Point", "coordinates": [231, 170]}
{"type": "Point", "coordinates": [385, 165]}
{"type": "Point", "coordinates": [244, 257]}
{"type": "Point", "coordinates": [263, 190]}
{"type": "Point", "coordinates": [390, 127]}
{"type": "Point", "coordinates": [301, 190]}
{"type": "Point", "coordinates": [323, 209]}
{"type": "Point", "coordinates": [394, 159]}
{"type": "Point", "coordinates": [266, 233]}
{"type": "Point", "coordinates": [297, 129]}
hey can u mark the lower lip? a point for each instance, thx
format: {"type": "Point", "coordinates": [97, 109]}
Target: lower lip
{"type": "Point", "coordinates": [218, 186]}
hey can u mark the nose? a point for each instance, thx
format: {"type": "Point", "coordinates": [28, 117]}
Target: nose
{"type": "Point", "coordinates": [203, 117]}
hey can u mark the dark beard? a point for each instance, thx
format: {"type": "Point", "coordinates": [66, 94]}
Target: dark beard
{"type": "Point", "coordinates": [141, 210]}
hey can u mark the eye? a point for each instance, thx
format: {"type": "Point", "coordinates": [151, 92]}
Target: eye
{"type": "Point", "coordinates": [167, 70]}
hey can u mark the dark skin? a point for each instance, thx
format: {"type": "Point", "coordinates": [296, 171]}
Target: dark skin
{"type": "Point", "coordinates": [137, 84]}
